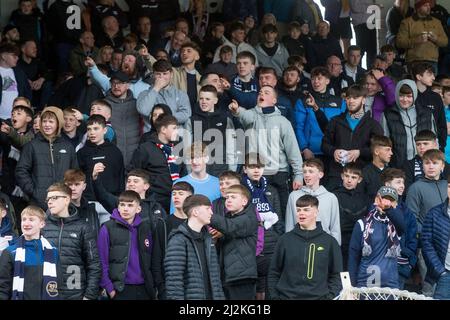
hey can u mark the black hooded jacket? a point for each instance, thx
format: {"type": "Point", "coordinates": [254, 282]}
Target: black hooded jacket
{"type": "Point", "coordinates": [79, 265]}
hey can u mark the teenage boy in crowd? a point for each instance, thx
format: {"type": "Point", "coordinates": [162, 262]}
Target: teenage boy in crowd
{"type": "Point", "coordinates": [403, 121]}
{"type": "Point", "coordinates": [424, 77]}
{"type": "Point", "coordinates": [98, 149]}
{"type": "Point", "coordinates": [71, 129]}
{"type": "Point", "coordinates": [238, 247]}
{"type": "Point", "coordinates": [28, 268]}
{"type": "Point", "coordinates": [98, 107]}
{"type": "Point", "coordinates": [425, 140]}
{"type": "Point", "coordinates": [423, 195]}
{"type": "Point", "coordinates": [12, 139]}
{"type": "Point", "coordinates": [267, 202]}
{"type": "Point", "coordinates": [180, 191]}
{"type": "Point", "coordinates": [191, 266]}
{"type": "Point", "coordinates": [75, 179]}
{"type": "Point", "coordinates": [290, 275]}
{"type": "Point", "coordinates": [328, 216]}
{"type": "Point", "coordinates": [226, 180]}
{"type": "Point", "coordinates": [375, 243]}
{"type": "Point", "coordinates": [435, 235]}
{"type": "Point", "coordinates": [157, 157]}
{"type": "Point", "coordinates": [202, 182]}
{"type": "Point", "coordinates": [204, 120]}
{"type": "Point", "coordinates": [353, 205]}
{"type": "Point", "coordinates": [125, 246]}
{"type": "Point", "coordinates": [137, 180]}
{"type": "Point", "coordinates": [407, 259]}
{"type": "Point", "coordinates": [163, 91]}
{"type": "Point", "coordinates": [266, 124]}
{"type": "Point", "coordinates": [308, 130]}
{"type": "Point", "coordinates": [244, 86]}
{"type": "Point", "coordinates": [348, 135]}
{"type": "Point", "coordinates": [76, 245]}
{"type": "Point", "coordinates": [381, 149]}
{"type": "Point", "coordinates": [46, 158]}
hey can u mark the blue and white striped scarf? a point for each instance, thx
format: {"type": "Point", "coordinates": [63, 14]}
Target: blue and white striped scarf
{"type": "Point", "coordinates": [49, 278]}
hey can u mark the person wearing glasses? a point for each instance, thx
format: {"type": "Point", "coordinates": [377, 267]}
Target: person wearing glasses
{"type": "Point", "coordinates": [79, 266]}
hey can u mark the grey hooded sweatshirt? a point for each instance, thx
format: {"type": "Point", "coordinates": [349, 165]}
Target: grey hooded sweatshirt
{"type": "Point", "coordinates": [328, 210]}
{"type": "Point", "coordinates": [272, 136]}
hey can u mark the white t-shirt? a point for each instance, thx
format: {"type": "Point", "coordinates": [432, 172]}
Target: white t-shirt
{"type": "Point", "coordinates": [9, 92]}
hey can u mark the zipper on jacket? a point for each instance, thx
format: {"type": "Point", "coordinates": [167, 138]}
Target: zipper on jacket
{"type": "Point", "coordinates": [128, 260]}
{"type": "Point", "coordinates": [60, 235]}
{"type": "Point", "coordinates": [51, 152]}
{"type": "Point", "coordinates": [198, 257]}
{"type": "Point", "coordinates": [311, 256]}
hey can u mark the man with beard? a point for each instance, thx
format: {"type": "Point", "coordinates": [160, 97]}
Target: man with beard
{"type": "Point", "coordinates": [347, 138]}
{"type": "Point", "coordinates": [339, 80]}
{"type": "Point", "coordinates": [125, 118]}
{"type": "Point", "coordinates": [293, 83]}
{"type": "Point", "coordinates": [131, 66]}
{"type": "Point", "coordinates": [422, 35]}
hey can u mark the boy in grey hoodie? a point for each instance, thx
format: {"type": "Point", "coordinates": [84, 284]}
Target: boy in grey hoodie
{"type": "Point", "coordinates": [328, 203]}
{"type": "Point", "coordinates": [272, 136]}
{"type": "Point", "coordinates": [401, 122]}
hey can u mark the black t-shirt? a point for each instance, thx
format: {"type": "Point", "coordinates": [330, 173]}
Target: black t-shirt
{"type": "Point", "coordinates": [172, 222]}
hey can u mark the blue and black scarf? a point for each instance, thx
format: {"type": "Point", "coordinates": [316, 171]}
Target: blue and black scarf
{"type": "Point", "coordinates": [49, 277]}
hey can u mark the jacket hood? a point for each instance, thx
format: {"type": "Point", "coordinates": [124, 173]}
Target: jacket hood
{"type": "Point", "coordinates": [277, 112]}
{"type": "Point", "coordinates": [410, 84]}
{"type": "Point", "coordinates": [308, 234]}
{"type": "Point", "coordinates": [73, 215]}
{"type": "Point", "coordinates": [315, 193]}
{"type": "Point", "coordinates": [116, 216]}
{"type": "Point", "coordinates": [57, 112]}
{"type": "Point", "coordinates": [6, 226]}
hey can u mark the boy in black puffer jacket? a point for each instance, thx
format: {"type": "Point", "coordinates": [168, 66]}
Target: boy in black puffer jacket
{"type": "Point", "coordinates": [44, 160]}
{"type": "Point", "coordinates": [238, 247]}
{"type": "Point", "coordinates": [79, 267]}
{"type": "Point", "coordinates": [191, 268]}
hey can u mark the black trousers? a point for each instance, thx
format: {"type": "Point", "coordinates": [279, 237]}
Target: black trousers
{"type": "Point", "coordinates": [367, 40]}
{"type": "Point", "coordinates": [282, 182]}
{"type": "Point", "coordinates": [241, 290]}
{"type": "Point", "coordinates": [132, 292]}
